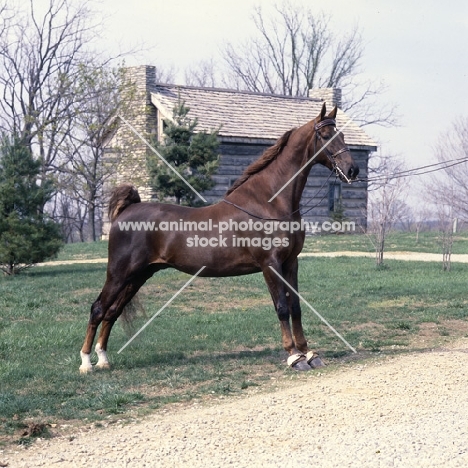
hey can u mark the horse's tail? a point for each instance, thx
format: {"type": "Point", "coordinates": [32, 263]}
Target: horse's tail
{"type": "Point", "coordinates": [130, 313]}
{"type": "Point", "coordinates": [122, 197]}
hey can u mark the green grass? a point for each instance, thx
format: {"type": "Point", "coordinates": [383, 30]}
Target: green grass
{"type": "Point", "coordinates": [219, 337]}
{"type": "Point", "coordinates": [428, 242]}
{"type": "Point", "coordinates": [83, 251]}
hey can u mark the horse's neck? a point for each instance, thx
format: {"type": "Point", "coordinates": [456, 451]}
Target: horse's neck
{"type": "Point", "coordinates": [288, 164]}
{"type": "Point", "coordinates": [279, 180]}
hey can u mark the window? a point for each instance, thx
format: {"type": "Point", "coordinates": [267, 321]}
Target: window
{"type": "Point", "coordinates": [334, 197]}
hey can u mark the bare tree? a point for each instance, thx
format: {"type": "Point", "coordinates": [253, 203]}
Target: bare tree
{"type": "Point", "coordinates": [447, 223]}
{"type": "Point", "coordinates": [5, 17]}
{"type": "Point", "coordinates": [445, 211]}
{"type": "Point", "coordinates": [40, 56]}
{"type": "Point", "coordinates": [420, 218]}
{"type": "Point", "coordinates": [71, 214]}
{"type": "Point", "coordinates": [295, 51]}
{"type": "Point", "coordinates": [448, 188]}
{"type": "Point", "coordinates": [165, 75]}
{"type": "Point", "coordinates": [83, 176]}
{"type": "Point", "coordinates": [384, 206]}
{"type": "Point", "coordinates": [60, 98]}
{"type": "Point", "coordinates": [403, 218]}
{"type": "Point", "coordinates": [450, 184]}
{"type": "Point", "coordinates": [204, 73]}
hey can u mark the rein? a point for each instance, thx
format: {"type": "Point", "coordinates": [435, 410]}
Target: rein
{"type": "Point", "coordinates": [251, 214]}
{"type": "Point", "coordinates": [293, 212]}
{"type": "Point", "coordinates": [336, 169]}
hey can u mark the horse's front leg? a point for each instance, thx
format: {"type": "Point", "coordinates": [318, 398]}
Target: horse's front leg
{"type": "Point", "coordinates": [279, 295]}
{"type": "Point", "coordinates": [294, 306]}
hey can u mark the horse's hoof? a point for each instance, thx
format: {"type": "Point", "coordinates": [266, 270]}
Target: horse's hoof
{"type": "Point", "coordinates": [316, 362]}
{"type": "Point", "coordinates": [301, 366]}
{"type": "Point", "coordinates": [86, 369]}
{"type": "Point", "coordinates": [298, 362]}
{"type": "Point", "coordinates": [103, 366]}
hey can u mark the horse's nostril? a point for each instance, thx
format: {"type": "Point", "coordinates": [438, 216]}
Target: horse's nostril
{"type": "Point", "coordinates": [353, 172]}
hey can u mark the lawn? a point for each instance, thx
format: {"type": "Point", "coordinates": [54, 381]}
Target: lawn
{"type": "Point", "coordinates": [427, 242]}
{"type": "Point", "coordinates": [219, 337]}
{"type": "Point", "coordinates": [83, 251]}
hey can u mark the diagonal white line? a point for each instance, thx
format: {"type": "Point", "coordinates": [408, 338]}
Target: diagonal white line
{"type": "Point", "coordinates": [309, 161]}
{"type": "Point", "coordinates": [135, 131]}
{"type": "Point", "coordinates": [161, 309]}
{"type": "Point", "coordinates": [313, 310]}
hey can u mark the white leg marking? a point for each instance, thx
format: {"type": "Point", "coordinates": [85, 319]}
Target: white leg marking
{"type": "Point", "coordinates": [103, 362]}
{"type": "Point", "coordinates": [86, 365]}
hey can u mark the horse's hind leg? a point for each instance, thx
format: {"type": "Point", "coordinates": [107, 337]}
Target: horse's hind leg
{"type": "Point", "coordinates": [106, 309]}
{"type": "Point", "coordinates": [111, 317]}
{"type": "Point", "coordinates": [93, 323]}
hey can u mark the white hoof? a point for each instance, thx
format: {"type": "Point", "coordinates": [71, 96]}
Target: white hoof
{"type": "Point", "coordinates": [103, 362]}
{"type": "Point", "coordinates": [86, 365]}
{"type": "Point", "coordinates": [86, 369]}
{"type": "Point", "coordinates": [102, 366]}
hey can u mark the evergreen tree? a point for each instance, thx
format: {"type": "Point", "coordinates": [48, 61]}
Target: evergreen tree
{"type": "Point", "coordinates": [193, 154]}
{"type": "Point", "coordinates": [27, 235]}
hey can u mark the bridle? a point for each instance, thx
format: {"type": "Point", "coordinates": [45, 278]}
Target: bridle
{"type": "Point", "coordinates": [331, 157]}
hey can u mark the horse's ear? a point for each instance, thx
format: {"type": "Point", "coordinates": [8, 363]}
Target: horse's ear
{"type": "Point", "coordinates": [332, 114]}
{"type": "Point", "coordinates": [323, 112]}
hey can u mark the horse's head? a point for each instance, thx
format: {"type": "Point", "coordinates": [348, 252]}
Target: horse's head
{"type": "Point", "coordinates": [329, 148]}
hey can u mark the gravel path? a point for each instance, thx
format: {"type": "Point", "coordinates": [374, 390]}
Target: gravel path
{"type": "Point", "coordinates": [405, 411]}
{"type": "Point", "coordinates": [416, 256]}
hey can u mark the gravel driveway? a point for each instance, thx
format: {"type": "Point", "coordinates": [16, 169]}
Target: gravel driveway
{"type": "Point", "coordinates": [405, 411]}
{"type": "Point", "coordinates": [408, 256]}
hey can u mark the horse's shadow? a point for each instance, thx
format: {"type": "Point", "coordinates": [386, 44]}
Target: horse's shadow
{"type": "Point", "coordinates": [207, 358]}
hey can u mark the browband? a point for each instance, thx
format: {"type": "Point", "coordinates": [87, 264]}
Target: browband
{"type": "Point", "coordinates": [325, 123]}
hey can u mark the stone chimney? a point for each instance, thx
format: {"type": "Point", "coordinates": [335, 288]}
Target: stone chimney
{"type": "Point", "coordinates": [130, 151]}
{"type": "Point", "coordinates": [331, 96]}
{"type": "Point", "coordinates": [144, 79]}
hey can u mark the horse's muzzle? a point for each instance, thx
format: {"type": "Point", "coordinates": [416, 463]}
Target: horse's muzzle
{"type": "Point", "coordinates": [353, 172]}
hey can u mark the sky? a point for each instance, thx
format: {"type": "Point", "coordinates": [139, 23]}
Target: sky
{"type": "Point", "coordinates": [417, 48]}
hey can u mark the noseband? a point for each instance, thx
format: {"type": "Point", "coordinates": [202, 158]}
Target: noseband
{"type": "Point", "coordinates": [331, 157]}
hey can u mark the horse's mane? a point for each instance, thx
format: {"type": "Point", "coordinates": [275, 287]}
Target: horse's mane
{"type": "Point", "coordinates": [265, 159]}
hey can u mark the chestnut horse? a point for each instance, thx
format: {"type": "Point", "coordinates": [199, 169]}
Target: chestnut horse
{"type": "Point", "coordinates": [256, 232]}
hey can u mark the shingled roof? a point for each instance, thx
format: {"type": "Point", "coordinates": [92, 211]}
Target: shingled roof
{"type": "Point", "coordinates": [248, 115]}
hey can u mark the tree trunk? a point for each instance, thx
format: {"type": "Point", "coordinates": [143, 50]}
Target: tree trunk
{"type": "Point", "coordinates": [92, 221]}
{"type": "Point", "coordinates": [10, 271]}
{"type": "Point", "coordinates": [380, 245]}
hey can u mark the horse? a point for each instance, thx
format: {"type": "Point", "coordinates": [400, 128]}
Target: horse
{"type": "Point", "coordinates": [260, 211]}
